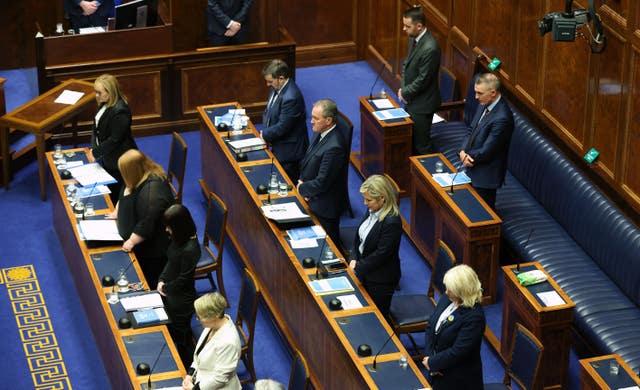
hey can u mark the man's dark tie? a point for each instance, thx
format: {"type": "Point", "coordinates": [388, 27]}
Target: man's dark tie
{"type": "Point", "coordinates": [413, 46]}
{"type": "Point", "coordinates": [314, 142]}
{"type": "Point", "coordinates": [474, 132]}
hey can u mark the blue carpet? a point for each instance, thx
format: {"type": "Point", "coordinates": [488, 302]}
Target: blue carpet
{"type": "Point", "coordinates": [29, 238]}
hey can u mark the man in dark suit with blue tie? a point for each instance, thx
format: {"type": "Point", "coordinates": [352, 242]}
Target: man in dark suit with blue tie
{"type": "Point", "coordinates": [419, 86]}
{"type": "Point", "coordinates": [226, 21]}
{"type": "Point", "coordinates": [484, 150]}
{"type": "Point", "coordinates": [321, 170]}
{"type": "Point", "coordinates": [284, 119]}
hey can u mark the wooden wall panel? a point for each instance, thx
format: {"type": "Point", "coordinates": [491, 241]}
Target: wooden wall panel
{"type": "Point", "coordinates": [608, 109]}
{"type": "Point", "coordinates": [383, 37]}
{"type": "Point", "coordinates": [462, 17]}
{"type": "Point", "coordinates": [495, 41]}
{"type": "Point", "coordinates": [528, 50]}
{"type": "Point", "coordinates": [631, 150]}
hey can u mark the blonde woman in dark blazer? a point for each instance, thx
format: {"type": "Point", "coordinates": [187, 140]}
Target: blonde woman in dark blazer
{"type": "Point", "coordinates": [215, 361]}
{"type": "Point", "coordinates": [374, 254]}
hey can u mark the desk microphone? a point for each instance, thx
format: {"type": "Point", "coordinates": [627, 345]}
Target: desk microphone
{"type": "Point", "coordinates": [93, 188]}
{"type": "Point", "coordinates": [115, 282]}
{"type": "Point", "coordinates": [453, 179]}
{"type": "Point", "coordinates": [269, 183]}
{"type": "Point", "coordinates": [324, 243]}
{"type": "Point", "coordinates": [374, 366]}
{"type": "Point", "coordinates": [377, 78]}
{"type": "Point", "coordinates": [523, 249]}
{"type": "Point", "coordinates": [154, 365]}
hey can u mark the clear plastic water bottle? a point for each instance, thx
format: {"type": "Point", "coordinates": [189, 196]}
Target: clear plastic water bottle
{"type": "Point", "coordinates": [273, 184]}
{"type": "Point", "coordinates": [383, 93]}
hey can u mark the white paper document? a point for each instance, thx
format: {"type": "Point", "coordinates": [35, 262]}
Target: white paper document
{"type": "Point", "coordinates": [437, 119]}
{"type": "Point", "coordinates": [382, 104]}
{"type": "Point", "coordinates": [99, 230]}
{"type": "Point", "coordinates": [69, 97]}
{"type": "Point", "coordinates": [90, 174]}
{"type": "Point", "coordinates": [630, 388]}
{"type": "Point", "coordinates": [445, 179]}
{"type": "Point", "coordinates": [551, 298]}
{"type": "Point", "coordinates": [392, 113]}
{"type": "Point", "coordinates": [91, 30]}
{"type": "Point", "coordinates": [283, 211]}
{"type": "Point", "coordinates": [142, 301]}
{"type": "Point", "coordinates": [304, 243]}
{"type": "Point", "coordinates": [350, 301]}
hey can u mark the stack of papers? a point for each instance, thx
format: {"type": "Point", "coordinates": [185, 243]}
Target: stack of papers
{"type": "Point", "coordinates": [350, 301]}
{"type": "Point", "coordinates": [148, 300]}
{"type": "Point", "coordinates": [382, 104]}
{"type": "Point", "coordinates": [231, 116]}
{"type": "Point", "coordinates": [90, 174]}
{"type": "Point", "coordinates": [69, 97]}
{"type": "Point", "coordinates": [302, 233]}
{"type": "Point", "coordinates": [331, 285]}
{"type": "Point", "coordinates": [99, 230]}
{"type": "Point", "coordinates": [444, 179]}
{"type": "Point", "coordinates": [284, 212]}
{"type": "Point", "coordinates": [248, 145]}
{"type": "Point", "coordinates": [390, 114]}
{"type": "Point", "coordinates": [85, 192]}
{"type": "Point", "coordinates": [551, 298]}
{"type": "Point", "coordinates": [150, 316]}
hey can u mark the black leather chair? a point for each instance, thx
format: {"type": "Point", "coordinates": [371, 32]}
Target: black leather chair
{"type": "Point", "coordinates": [524, 361]}
{"type": "Point", "coordinates": [177, 165]}
{"type": "Point", "coordinates": [212, 241]}
{"type": "Point", "coordinates": [410, 313]}
{"type": "Point", "coordinates": [299, 379]}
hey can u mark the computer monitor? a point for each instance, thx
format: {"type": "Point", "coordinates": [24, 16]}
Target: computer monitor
{"type": "Point", "coordinates": [138, 13]}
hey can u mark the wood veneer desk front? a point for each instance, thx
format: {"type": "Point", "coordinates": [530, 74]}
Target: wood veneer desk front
{"type": "Point", "coordinates": [462, 220]}
{"type": "Point", "coordinates": [328, 339]}
{"type": "Point", "coordinates": [385, 146]}
{"type": "Point", "coordinates": [595, 374]}
{"type": "Point", "coordinates": [550, 324]}
{"type": "Point", "coordinates": [41, 116]}
{"type": "Point", "coordinates": [121, 349]}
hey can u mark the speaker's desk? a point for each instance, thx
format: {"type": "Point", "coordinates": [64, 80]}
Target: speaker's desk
{"type": "Point", "coordinates": [595, 373]}
{"type": "Point", "coordinates": [40, 116]}
{"type": "Point", "coordinates": [121, 349]}
{"type": "Point", "coordinates": [385, 146]}
{"type": "Point", "coordinates": [328, 339]}
{"type": "Point", "coordinates": [462, 220]}
{"type": "Point", "coordinates": [550, 324]}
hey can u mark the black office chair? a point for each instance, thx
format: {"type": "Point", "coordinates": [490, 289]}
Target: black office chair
{"type": "Point", "coordinates": [246, 320]}
{"type": "Point", "coordinates": [349, 138]}
{"type": "Point", "coordinates": [524, 361]}
{"type": "Point", "coordinates": [410, 313]}
{"type": "Point", "coordinates": [299, 379]}
{"type": "Point", "coordinates": [177, 165]}
{"type": "Point", "coordinates": [212, 241]}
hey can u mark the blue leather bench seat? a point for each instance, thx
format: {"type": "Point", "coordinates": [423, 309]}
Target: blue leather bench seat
{"type": "Point", "coordinates": [587, 245]}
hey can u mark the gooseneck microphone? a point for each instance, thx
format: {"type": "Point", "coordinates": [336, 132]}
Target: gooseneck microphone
{"type": "Point", "coordinates": [324, 243]}
{"type": "Point", "coordinates": [453, 179]}
{"type": "Point", "coordinates": [154, 365]}
{"type": "Point", "coordinates": [269, 183]}
{"type": "Point", "coordinates": [377, 78]}
{"type": "Point", "coordinates": [523, 249]}
{"type": "Point", "coordinates": [93, 188]}
{"type": "Point", "coordinates": [374, 366]}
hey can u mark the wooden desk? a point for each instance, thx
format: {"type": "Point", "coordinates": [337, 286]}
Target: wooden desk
{"type": "Point", "coordinates": [121, 349]}
{"type": "Point", "coordinates": [385, 146]}
{"type": "Point", "coordinates": [551, 325]}
{"type": "Point", "coordinates": [462, 220]}
{"type": "Point", "coordinates": [594, 374]}
{"type": "Point", "coordinates": [304, 318]}
{"type": "Point", "coordinates": [40, 116]}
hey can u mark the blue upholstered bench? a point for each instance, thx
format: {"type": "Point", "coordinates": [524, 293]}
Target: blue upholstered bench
{"type": "Point", "coordinates": [581, 238]}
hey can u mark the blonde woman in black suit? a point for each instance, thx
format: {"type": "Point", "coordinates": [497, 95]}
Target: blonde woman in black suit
{"type": "Point", "coordinates": [112, 129]}
{"type": "Point", "coordinates": [374, 254]}
{"type": "Point", "coordinates": [215, 361]}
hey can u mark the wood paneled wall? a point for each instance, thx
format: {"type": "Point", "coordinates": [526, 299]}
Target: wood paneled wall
{"type": "Point", "coordinates": [580, 99]}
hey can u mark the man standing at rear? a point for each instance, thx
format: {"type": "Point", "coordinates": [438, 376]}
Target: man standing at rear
{"type": "Point", "coordinates": [226, 21]}
{"type": "Point", "coordinates": [284, 119]}
{"type": "Point", "coordinates": [419, 88]}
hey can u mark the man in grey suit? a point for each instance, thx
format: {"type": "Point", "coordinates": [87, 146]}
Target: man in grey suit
{"type": "Point", "coordinates": [419, 88]}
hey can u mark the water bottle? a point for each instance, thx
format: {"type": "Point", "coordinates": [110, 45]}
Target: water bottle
{"type": "Point", "coordinates": [273, 184]}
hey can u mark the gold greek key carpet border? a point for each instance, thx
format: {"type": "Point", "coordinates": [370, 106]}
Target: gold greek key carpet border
{"type": "Point", "coordinates": [41, 349]}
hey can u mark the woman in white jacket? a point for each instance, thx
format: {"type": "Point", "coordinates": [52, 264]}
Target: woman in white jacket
{"type": "Point", "coordinates": [218, 350]}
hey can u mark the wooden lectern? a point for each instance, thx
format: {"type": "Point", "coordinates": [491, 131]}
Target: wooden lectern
{"type": "Point", "coordinates": [550, 324]}
{"type": "Point", "coordinates": [385, 146]}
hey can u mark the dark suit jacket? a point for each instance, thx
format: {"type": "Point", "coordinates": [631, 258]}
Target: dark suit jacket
{"type": "Point", "coordinates": [379, 261]}
{"type": "Point", "coordinates": [285, 124]}
{"type": "Point", "coordinates": [113, 134]}
{"type": "Point", "coordinates": [489, 145]}
{"type": "Point", "coordinates": [321, 171]}
{"type": "Point", "coordinates": [455, 349]}
{"type": "Point", "coordinates": [72, 7]}
{"type": "Point", "coordinates": [221, 12]}
{"type": "Point", "coordinates": [420, 76]}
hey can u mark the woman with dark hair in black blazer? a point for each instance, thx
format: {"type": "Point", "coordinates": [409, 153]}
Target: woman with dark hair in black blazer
{"type": "Point", "coordinates": [375, 249]}
{"type": "Point", "coordinates": [176, 282]}
{"type": "Point", "coordinates": [112, 129]}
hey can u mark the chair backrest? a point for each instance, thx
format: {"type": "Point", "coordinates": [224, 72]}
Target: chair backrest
{"type": "Point", "coordinates": [448, 85]}
{"type": "Point", "coordinates": [445, 260]}
{"type": "Point", "coordinates": [248, 308]}
{"type": "Point", "coordinates": [215, 225]}
{"type": "Point", "coordinates": [299, 379]}
{"type": "Point", "coordinates": [525, 358]}
{"type": "Point", "coordinates": [177, 165]}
